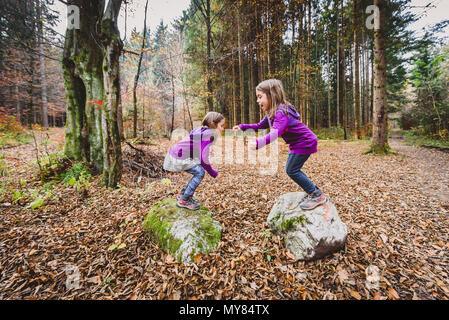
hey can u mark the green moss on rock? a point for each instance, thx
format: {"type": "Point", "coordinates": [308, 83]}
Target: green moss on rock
{"type": "Point", "coordinates": [289, 224]}
{"type": "Point", "coordinates": [180, 232]}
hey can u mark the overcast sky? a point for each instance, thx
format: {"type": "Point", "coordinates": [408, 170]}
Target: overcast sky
{"type": "Point", "coordinates": [168, 10]}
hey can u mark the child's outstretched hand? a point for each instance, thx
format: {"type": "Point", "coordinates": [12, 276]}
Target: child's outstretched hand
{"type": "Point", "coordinates": [236, 128]}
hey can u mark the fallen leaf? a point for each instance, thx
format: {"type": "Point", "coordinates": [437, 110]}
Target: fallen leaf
{"type": "Point", "coordinates": [392, 294]}
{"type": "Point", "coordinates": [290, 255]}
{"type": "Point", "coordinates": [355, 294]}
{"type": "Point", "coordinates": [377, 296]}
{"type": "Point", "coordinates": [96, 280]}
{"type": "Point", "coordinates": [197, 258]}
{"type": "Point", "coordinates": [169, 259]}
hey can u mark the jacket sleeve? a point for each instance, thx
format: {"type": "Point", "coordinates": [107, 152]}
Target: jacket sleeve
{"type": "Point", "coordinates": [280, 124]}
{"type": "Point", "coordinates": [258, 126]}
{"type": "Point", "coordinates": [206, 142]}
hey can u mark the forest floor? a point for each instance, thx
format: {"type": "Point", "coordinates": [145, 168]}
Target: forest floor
{"type": "Point", "coordinates": [396, 208]}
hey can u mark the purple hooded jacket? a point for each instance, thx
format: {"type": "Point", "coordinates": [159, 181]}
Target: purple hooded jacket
{"type": "Point", "coordinates": [196, 146]}
{"type": "Point", "coordinates": [297, 135]}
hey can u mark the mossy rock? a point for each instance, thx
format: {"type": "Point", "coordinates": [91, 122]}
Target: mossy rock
{"type": "Point", "coordinates": [308, 234]}
{"type": "Point", "coordinates": [181, 232]}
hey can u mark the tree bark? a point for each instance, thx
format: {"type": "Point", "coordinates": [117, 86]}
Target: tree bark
{"type": "Point", "coordinates": [91, 73]}
{"type": "Point", "coordinates": [308, 68]}
{"type": "Point", "coordinates": [301, 62]}
{"type": "Point", "coordinates": [343, 75]}
{"type": "Point", "coordinates": [136, 78]}
{"type": "Point", "coordinates": [234, 96]}
{"type": "Point", "coordinates": [241, 82]}
{"type": "Point", "coordinates": [328, 83]}
{"type": "Point", "coordinates": [17, 94]}
{"type": "Point", "coordinates": [379, 144]}
{"type": "Point", "coordinates": [210, 101]}
{"type": "Point", "coordinates": [338, 64]}
{"type": "Point", "coordinates": [356, 71]}
{"type": "Point", "coordinates": [43, 72]}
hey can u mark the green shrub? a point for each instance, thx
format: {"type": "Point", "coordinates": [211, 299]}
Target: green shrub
{"type": "Point", "coordinates": [78, 176]}
{"type": "Point", "coordinates": [329, 133]}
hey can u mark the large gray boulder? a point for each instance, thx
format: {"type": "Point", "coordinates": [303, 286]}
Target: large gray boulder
{"type": "Point", "coordinates": [181, 232]}
{"type": "Point", "coordinates": [308, 234]}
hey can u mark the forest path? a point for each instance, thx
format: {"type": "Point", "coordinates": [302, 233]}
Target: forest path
{"type": "Point", "coordinates": [431, 166]}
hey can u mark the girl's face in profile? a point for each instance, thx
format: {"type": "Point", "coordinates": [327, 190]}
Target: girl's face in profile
{"type": "Point", "coordinates": [220, 126]}
{"type": "Point", "coordinates": [262, 100]}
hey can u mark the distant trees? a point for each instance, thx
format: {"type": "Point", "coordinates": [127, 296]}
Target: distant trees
{"type": "Point", "coordinates": [28, 54]}
{"type": "Point", "coordinates": [430, 84]}
{"type": "Point", "coordinates": [213, 56]}
{"type": "Point", "coordinates": [322, 50]}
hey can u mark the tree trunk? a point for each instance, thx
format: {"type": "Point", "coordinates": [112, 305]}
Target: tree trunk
{"type": "Point", "coordinates": [301, 62]}
{"type": "Point", "coordinates": [210, 101]}
{"type": "Point", "coordinates": [328, 83]}
{"type": "Point", "coordinates": [172, 80]}
{"type": "Point", "coordinates": [308, 68]}
{"type": "Point", "coordinates": [91, 73]}
{"type": "Point", "coordinates": [251, 85]}
{"type": "Point", "coordinates": [379, 144]}
{"type": "Point", "coordinates": [136, 78]}
{"type": "Point", "coordinates": [295, 64]}
{"type": "Point", "coordinates": [120, 118]}
{"type": "Point", "coordinates": [350, 106]}
{"type": "Point", "coordinates": [343, 75]}
{"type": "Point", "coordinates": [268, 25]}
{"type": "Point", "coordinates": [367, 82]}
{"type": "Point", "coordinates": [31, 112]}
{"type": "Point", "coordinates": [43, 72]}
{"type": "Point", "coordinates": [356, 71]}
{"type": "Point", "coordinates": [234, 95]}
{"type": "Point", "coordinates": [338, 64]}
{"type": "Point", "coordinates": [241, 82]}
{"type": "Point", "coordinates": [17, 94]}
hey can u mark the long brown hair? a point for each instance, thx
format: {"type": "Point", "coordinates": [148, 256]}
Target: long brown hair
{"type": "Point", "coordinates": [275, 93]}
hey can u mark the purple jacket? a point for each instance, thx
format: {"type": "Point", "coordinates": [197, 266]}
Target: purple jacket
{"type": "Point", "coordinates": [196, 146]}
{"type": "Point", "coordinates": [300, 138]}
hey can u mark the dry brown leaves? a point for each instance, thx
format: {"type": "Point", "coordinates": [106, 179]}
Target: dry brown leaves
{"type": "Point", "coordinates": [394, 223]}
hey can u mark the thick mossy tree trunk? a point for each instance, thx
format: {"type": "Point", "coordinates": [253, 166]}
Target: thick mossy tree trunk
{"type": "Point", "coordinates": [91, 73]}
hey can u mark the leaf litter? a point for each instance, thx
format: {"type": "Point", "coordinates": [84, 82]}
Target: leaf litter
{"type": "Point", "coordinates": [394, 207]}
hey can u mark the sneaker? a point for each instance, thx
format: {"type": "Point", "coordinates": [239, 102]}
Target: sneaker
{"type": "Point", "coordinates": [307, 196]}
{"type": "Point", "coordinates": [312, 201]}
{"type": "Point", "coordinates": [190, 204]}
{"type": "Point", "coordinates": [178, 196]}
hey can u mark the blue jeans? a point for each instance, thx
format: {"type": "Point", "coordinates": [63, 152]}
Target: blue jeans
{"type": "Point", "coordinates": [198, 175]}
{"type": "Point", "coordinates": [293, 168]}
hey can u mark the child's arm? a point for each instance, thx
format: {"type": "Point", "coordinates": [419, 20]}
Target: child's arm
{"type": "Point", "coordinates": [261, 125]}
{"type": "Point", "coordinates": [205, 163]}
{"type": "Point", "coordinates": [280, 124]}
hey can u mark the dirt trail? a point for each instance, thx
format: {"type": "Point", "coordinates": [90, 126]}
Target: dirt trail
{"type": "Point", "coordinates": [431, 166]}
